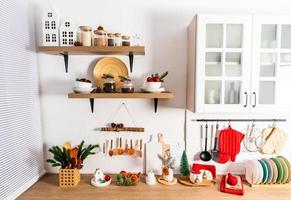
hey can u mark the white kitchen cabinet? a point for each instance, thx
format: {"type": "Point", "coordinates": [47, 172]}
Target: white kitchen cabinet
{"type": "Point", "coordinates": [219, 56]}
{"type": "Point", "coordinates": [234, 61]}
{"type": "Point", "coordinates": [271, 63]}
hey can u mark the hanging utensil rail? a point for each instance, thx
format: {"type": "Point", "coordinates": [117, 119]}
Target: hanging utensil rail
{"type": "Point", "coordinates": [239, 120]}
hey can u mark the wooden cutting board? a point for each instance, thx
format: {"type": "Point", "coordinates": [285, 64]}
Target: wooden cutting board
{"type": "Point", "coordinates": [153, 148]}
{"type": "Point", "coordinates": [165, 147]}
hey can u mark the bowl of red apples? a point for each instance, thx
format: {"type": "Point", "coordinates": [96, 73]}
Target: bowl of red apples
{"type": "Point", "coordinates": [154, 82]}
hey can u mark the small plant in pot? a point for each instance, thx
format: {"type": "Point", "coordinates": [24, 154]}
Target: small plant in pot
{"type": "Point", "coordinates": [155, 80]}
{"type": "Point", "coordinates": [168, 166]}
{"type": "Point", "coordinates": [70, 159]}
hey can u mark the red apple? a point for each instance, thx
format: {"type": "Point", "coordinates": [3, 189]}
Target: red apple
{"type": "Point", "coordinates": [231, 180]}
{"type": "Point", "coordinates": [156, 79]}
{"type": "Point", "coordinates": [149, 79]}
{"type": "Point", "coordinates": [107, 178]}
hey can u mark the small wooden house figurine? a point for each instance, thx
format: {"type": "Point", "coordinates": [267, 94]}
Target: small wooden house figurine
{"type": "Point", "coordinates": [50, 28]}
{"type": "Point", "coordinates": [68, 33]}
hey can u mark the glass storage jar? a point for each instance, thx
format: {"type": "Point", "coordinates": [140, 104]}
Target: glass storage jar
{"type": "Point", "coordinates": [99, 38]}
{"type": "Point", "coordinates": [109, 85]}
{"type": "Point", "coordinates": [125, 40]}
{"type": "Point", "coordinates": [85, 36]}
{"type": "Point", "coordinates": [127, 87]}
{"type": "Point", "coordinates": [136, 40]}
{"type": "Point", "coordinates": [110, 40]}
{"type": "Point", "coordinates": [117, 39]}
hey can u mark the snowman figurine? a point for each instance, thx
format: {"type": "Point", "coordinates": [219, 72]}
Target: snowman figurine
{"type": "Point", "coordinates": [151, 179]}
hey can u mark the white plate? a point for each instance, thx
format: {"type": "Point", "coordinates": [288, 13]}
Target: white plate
{"type": "Point", "coordinates": [82, 90]}
{"type": "Point", "coordinates": [151, 90]}
{"type": "Point", "coordinates": [100, 184]}
{"type": "Point", "coordinates": [251, 173]}
{"type": "Point", "coordinates": [260, 172]}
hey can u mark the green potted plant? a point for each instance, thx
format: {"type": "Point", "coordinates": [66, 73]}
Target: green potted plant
{"type": "Point", "coordinates": [71, 161]}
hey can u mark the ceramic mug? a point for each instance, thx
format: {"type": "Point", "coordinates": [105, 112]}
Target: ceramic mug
{"type": "Point", "coordinates": [196, 178]}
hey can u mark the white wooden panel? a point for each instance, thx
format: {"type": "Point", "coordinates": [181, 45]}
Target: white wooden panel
{"type": "Point", "coordinates": [20, 133]}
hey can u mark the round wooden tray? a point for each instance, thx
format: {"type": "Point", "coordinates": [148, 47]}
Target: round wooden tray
{"type": "Point", "coordinates": [109, 65]}
{"type": "Point", "coordinates": [164, 182]}
{"type": "Point", "coordinates": [204, 183]}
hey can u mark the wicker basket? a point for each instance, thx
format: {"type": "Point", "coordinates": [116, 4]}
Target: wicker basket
{"type": "Point", "coordinates": [69, 177]}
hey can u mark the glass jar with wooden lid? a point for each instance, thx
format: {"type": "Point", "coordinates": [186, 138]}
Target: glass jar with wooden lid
{"type": "Point", "coordinates": [110, 39]}
{"type": "Point", "coordinates": [85, 35]}
{"type": "Point", "coordinates": [117, 39]}
{"type": "Point", "coordinates": [99, 38]}
{"type": "Point", "coordinates": [125, 40]}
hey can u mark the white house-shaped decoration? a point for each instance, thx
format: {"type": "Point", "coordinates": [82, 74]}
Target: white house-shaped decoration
{"type": "Point", "coordinates": [50, 28]}
{"type": "Point", "coordinates": [68, 33]}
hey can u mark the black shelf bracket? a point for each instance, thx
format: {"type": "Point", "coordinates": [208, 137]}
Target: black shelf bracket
{"type": "Point", "coordinates": [92, 104]}
{"type": "Point", "coordinates": [156, 100]}
{"type": "Point", "coordinates": [130, 61]}
{"type": "Point", "coordinates": [66, 60]}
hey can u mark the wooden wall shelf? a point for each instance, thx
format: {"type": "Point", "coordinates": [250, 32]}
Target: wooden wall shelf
{"type": "Point", "coordinates": [80, 50]}
{"type": "Point", "coordinates": [136, 95]}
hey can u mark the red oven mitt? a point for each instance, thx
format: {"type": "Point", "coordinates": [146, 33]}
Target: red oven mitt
{"type": "Point", "coordinates": [229, 144]}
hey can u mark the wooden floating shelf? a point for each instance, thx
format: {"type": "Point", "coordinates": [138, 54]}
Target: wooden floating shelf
{"type": "Point", "coordinates": [132, 129]}
{"type": "Point", "coordinates": [80, 50]}
{"type": "Point", "coordinates": [136, 95]}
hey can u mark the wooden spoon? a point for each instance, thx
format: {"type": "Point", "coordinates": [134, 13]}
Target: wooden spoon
{"type": "Point", "coordinates": [140, 148]}
{"type": "Point", "coordinates": [131, 150]}
{"type": "Point", "coordinates": [120, 150]}
{"type": "Point", "coordinates": [126, 147]}
{"type": "Point", "coordinates": [111, 151]}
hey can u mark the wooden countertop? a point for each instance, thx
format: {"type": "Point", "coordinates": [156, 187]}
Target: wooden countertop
{"type": "Point", "coordinates": [47, 188]}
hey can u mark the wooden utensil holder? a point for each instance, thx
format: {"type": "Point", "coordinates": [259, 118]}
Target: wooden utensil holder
{"type": "Point", "coordinates": [69, 177]}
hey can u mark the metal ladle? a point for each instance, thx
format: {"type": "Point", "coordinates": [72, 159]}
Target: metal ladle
{"type": "Point", "coordinates": [205, 155]}
{"type": "Point", "coordinates": [214, 151]}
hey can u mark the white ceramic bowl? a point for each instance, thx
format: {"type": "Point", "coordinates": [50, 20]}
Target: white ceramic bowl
{"type": "Point", "coordinates": [83, 90]}
{"type": "Point", "coordinates": [153, 85]}
{"type": "Point", "coordinates": [82, 84]}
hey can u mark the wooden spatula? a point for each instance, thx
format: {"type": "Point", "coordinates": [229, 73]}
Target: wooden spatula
{"type": "Point", "coordinates": [130, 150]}
{"type": "Point", "coordinates": [140, 148]}
{"type": "Point", "coordinates": [120, 150]}
{"type": "Point", "coordinates": [111, 150]}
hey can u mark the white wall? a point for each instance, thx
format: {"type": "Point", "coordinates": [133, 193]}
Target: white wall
{"type": "Point", "coordinates": [162, 24]}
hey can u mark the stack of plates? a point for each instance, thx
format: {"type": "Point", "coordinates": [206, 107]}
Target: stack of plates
{"type": "Point", "coordinates": [275, 170]}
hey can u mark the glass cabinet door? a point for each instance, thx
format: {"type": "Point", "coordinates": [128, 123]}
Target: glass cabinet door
{"type": "Point", "coordinates": [271, 53]}
{"type": "Point", "coordinates": [223, 63]}
{"type": "Point", "coordinates": [223, 70]}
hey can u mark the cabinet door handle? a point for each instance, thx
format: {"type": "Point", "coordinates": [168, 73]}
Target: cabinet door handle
{"type": "Point", "coordinates": [255, 102]}
{"type": "Point", "coordinates": [246, 99]}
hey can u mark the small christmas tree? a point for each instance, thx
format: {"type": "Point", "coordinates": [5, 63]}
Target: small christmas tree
{"type": "Point", "coordinates": [184, 166]}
